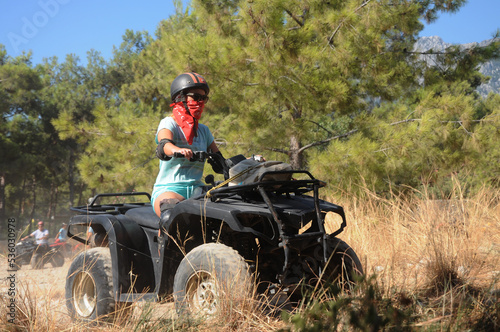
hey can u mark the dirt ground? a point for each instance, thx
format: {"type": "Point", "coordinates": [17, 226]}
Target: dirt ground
{"type": "Point", "coordinates": [39, 293]}
{"type": "Point", "coordinates": [49, 278]}
{"type": "Point", "coordinates": [46, 280]}
{"type": "Point", "coordinates": [40, 297]}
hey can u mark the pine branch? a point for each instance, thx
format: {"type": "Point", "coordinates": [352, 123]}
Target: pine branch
{"type": "Point", "coordinates": [287, 152]}
{"type": "Point", "coordinates": [295, 18]}
{"type": "Point", "coordinates": [317, 124]}
{"type": "Point", "coordinates": [330, 39]}
{"type": "Point", "coordinates": [251, 14]}
{"type": "Point", "coordinates": [305, 147]}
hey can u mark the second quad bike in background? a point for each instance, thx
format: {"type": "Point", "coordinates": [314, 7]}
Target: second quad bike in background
{"type": "Point", "coordinates": [27, 253]}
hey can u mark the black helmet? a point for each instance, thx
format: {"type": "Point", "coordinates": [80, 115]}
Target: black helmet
{"type": "Point", "coordinates": [188, 81]}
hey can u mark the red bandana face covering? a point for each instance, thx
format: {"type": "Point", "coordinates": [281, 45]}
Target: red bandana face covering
{"type": "Point", "coordinates": [188, 122]}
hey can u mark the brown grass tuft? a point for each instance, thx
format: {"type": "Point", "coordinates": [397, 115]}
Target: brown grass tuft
{"type": "Point", "coordinates": [443, 255]}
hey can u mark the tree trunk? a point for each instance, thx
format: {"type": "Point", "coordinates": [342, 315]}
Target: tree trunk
{"type": "Point", "coordinates": [56, 199]}
{"type": "Point", "coordinates": [80, 194]}
{"type": "Point", "coordinates": [51, 200]}
{"type": "Point", "coordinates": [22, 199]}
{"type": "Point", "coordinates": [54, 190]}
{"type": "Point", "coordinates": [295, 155]}
{"type": "Point", "coordinates": [33, 207]}
{"type": "Point", "coordinates": [33, 190]}
{"type": "Point", "coordinates": [71, 180]}
{"type": "Point", "coordinates": [2, 202]}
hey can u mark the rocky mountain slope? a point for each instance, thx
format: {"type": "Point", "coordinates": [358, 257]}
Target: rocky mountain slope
{"type": "Point", "coordinates": [491, 68]}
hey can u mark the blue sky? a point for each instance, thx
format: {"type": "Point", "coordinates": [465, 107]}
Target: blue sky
{"type": "Point", "coordinates": [478, 20]}
{"type": "Point", "coordinates": [58, 27]}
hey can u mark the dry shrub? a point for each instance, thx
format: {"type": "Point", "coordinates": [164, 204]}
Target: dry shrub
{"type": "Point", "coordinates": [41, 307]}
{"type": "Point", "coordinates": [35, 314]}
{"type": "Point", "coordinates": [36, 309]}
{"type": "Point", "coordinates": [442, 255]}
{"type": "Point", "coordinates": [150, 316]}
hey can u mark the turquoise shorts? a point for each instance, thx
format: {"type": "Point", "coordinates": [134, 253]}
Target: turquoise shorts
{"type": "Point", "coordinates": [184, 190]}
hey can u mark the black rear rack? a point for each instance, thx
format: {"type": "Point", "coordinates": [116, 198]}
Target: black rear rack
{"type": "Point", "coordinates": [118, 208]}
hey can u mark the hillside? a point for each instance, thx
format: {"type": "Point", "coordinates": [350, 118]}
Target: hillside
{"type": "Point", "coordinates": [490, 68]}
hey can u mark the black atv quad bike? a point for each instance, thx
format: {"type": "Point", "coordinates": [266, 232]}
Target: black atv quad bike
{"type": "Point", "coordinates": [27, 252]}
{"type": "Point", "coordinates": [207, 251]}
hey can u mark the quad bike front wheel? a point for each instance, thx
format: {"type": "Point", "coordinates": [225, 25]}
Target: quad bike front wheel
{"type": "Point", "coordinates": [56, 259]}
{"type": "Point", "coordinates": [36, 261]}
{"type": "Point", "coordinates": [211, 277]}
{"type": "Point", "coordinates": [89, 288]}
{"type": "Point", "coordinates": [343, 266]}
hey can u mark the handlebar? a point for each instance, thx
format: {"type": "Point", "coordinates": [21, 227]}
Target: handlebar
{"type": "Point", "coordinates": [217, 161]}
{"type": "Point", "coordinates": [197, 155]}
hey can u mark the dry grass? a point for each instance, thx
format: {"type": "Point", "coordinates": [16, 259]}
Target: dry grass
{"type": "Point", "coordinates": [439, 259]}
{"type": "Point", "coordinates": [44, 309]}
{"type": "Point", "coordinates": [409, 242]}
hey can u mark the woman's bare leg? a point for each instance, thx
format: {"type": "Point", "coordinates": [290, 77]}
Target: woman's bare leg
{"type": "Point", "coordinates": [165, 195]}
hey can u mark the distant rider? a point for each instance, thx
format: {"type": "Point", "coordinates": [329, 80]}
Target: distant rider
{"type": "Point", "coordinates": [62, 236]}
{"type": "Point", "coordinates": [41, 236]}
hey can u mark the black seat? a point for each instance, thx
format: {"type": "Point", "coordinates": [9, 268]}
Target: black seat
{"type": "Point", "coordinates": [144, 216]}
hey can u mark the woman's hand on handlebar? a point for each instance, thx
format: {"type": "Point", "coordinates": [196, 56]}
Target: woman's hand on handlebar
{"type": "Point", "coordinates": [187, 153]}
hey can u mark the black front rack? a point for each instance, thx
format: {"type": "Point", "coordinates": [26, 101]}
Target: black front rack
{"type": "Point", "coordinates": [297, 187]}
{"type": "Point", "coordinates": [116, 208]}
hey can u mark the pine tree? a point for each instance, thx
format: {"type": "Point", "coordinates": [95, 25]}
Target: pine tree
{"type": "Point", "coordinates": [286, 67]}
{"type": "Point", "coordinates": [24, 140]}
{"type": "Point", "coordinates": [112, 130]}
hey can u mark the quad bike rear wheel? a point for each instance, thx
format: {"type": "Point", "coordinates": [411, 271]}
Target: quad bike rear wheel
{"type": "Point", "coordinates": [89, 288]}
{"type": "Point", "coordinates": [210, 277]}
